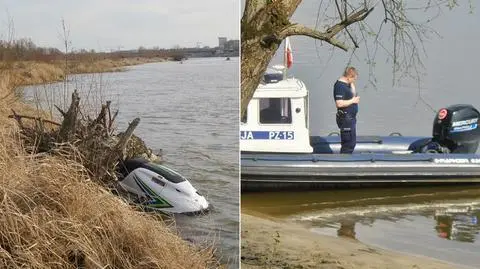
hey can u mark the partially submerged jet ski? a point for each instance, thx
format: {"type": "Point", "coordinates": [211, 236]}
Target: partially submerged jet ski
{"type": "Point", "coordinates": [158, 187]}
{"type": "Point", "coordinates": [277, 148]}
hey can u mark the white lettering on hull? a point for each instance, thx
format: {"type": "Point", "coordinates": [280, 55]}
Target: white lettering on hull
{"type": "Point", "coordinates": [457, 161]}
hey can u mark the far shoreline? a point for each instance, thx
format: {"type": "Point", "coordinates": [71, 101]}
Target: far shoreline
{"type": "Point", "coordinates": [25, 73]}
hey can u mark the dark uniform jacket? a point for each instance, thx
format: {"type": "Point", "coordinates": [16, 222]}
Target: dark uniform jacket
{"type": "Point", "coordinates": [343, 91]}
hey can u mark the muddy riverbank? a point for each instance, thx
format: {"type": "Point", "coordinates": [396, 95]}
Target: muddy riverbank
{"type": "Point", "coordinates": [271, 243]}
{"type": "Point", "coordinates": [437, 222]}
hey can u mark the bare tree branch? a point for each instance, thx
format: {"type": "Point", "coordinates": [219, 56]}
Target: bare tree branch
{"type": "Point", "coordinates": [339, 11]}
{"type": "Point", "coordinates": [352, 18]}
{"type": "Point", "coordinates": [328, 35]}
{"type": "Point", "coordinates": [60, 110]}
{"type": "Point", "coordinates": [298, 29]}
{"type": "Point", "coordinates": [18, 118]}
{"type": "Point", "coordinates": [352, 38]}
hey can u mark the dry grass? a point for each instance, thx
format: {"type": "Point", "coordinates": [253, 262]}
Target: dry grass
{"type": "Point", "coordinates": [52, 215]}
{"type": "Point", "coordinates": [107, 65]}
{"type": "Point", "coordinates": [29, 73]}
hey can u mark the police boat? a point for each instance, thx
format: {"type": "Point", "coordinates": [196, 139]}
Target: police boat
{"type": "Point", "coordinates": [277, 149]}
{"type": "Point", "coordinates": [157, 187]}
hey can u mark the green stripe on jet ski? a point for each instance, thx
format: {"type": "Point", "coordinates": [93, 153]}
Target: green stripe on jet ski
{"type": "Point", "coordinates": [157, 202]}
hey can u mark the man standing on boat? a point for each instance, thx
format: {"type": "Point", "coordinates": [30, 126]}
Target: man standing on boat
{"type": "Point", "coordinates": [346, 101]}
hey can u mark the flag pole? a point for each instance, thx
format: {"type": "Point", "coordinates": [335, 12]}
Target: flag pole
{"type": "Point", "coordinates": [285, 59]}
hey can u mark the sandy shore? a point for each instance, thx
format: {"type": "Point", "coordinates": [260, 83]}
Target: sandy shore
{"type": "Point", "coordinates": [270, 243]}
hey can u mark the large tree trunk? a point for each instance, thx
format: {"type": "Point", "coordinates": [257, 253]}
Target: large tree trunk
{"type": "Point", "coordinates": [261, 24]}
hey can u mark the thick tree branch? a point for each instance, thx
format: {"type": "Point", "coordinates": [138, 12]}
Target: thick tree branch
{"type": "Point", "coordinates": [352, 18]}
{"type": "Point", "coordinates": [328, 35]}
{"type": "Point", "coordinates": [122, 143]}
{"type": "Point", "coordinates": [298, 29]}
{"type": "Point", "coordinates": [69, 123]}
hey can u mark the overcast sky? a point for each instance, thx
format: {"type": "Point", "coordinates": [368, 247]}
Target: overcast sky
{"type": "Point", "coordinates": [124, 24]}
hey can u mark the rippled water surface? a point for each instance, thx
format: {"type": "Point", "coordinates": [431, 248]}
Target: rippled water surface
{"type": "Point", "coordinates": [190, 112]}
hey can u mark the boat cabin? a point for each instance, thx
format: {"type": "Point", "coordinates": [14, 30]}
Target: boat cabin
{"type": "Point", "coordinates": [277, 117]}
{"type": "Point", "coordinates": [277, 121]}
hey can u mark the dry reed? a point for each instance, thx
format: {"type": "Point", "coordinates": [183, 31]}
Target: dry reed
{"type": "Point", "coordinates": [52, 215]}
{"type": "Point", "coordinates": [30, 73]}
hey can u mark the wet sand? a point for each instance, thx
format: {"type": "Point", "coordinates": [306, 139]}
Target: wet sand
{"type": "Point", "coordinates": [273, 243]}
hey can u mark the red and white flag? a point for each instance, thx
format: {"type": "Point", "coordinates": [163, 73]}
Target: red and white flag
{"type": "Point", "coordinates": [288, 53]}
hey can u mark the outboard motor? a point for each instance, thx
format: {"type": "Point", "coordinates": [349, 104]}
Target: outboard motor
{"type": "Point", "coordinates": [455, 128]}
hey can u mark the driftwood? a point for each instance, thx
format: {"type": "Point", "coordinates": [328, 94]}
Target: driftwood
{"type": "Point", "coordinates": [88, 140]}
{"type": "Point", "coordinates": [18, 118]}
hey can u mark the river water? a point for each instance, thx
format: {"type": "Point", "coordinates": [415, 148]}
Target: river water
{"type": "Point", "coordinates": [188, 111]}
{"type": "Point", "coordinates": [406, 220]}
{"type": "Point", "coordinates": [442, 223]}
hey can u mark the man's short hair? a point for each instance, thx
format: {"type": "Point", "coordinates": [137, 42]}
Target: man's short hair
{"type": "Point", "coordinates": [350, 71]}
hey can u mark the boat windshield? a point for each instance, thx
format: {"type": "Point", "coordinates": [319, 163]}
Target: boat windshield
{"type": "Point", "coordinates": [165, 172]}
{"type": "Point", "coordinates": [275, 110]}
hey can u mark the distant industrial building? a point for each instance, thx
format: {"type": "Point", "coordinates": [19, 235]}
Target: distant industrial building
{"type": "Point", "coordinates": [232, 45]}
{"type": "Point", "coordinates": [225, 48]}
{"type": "Point", "coordinates": [221, 42]}
{"type": "Point", "coordinates": [228, 47]}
